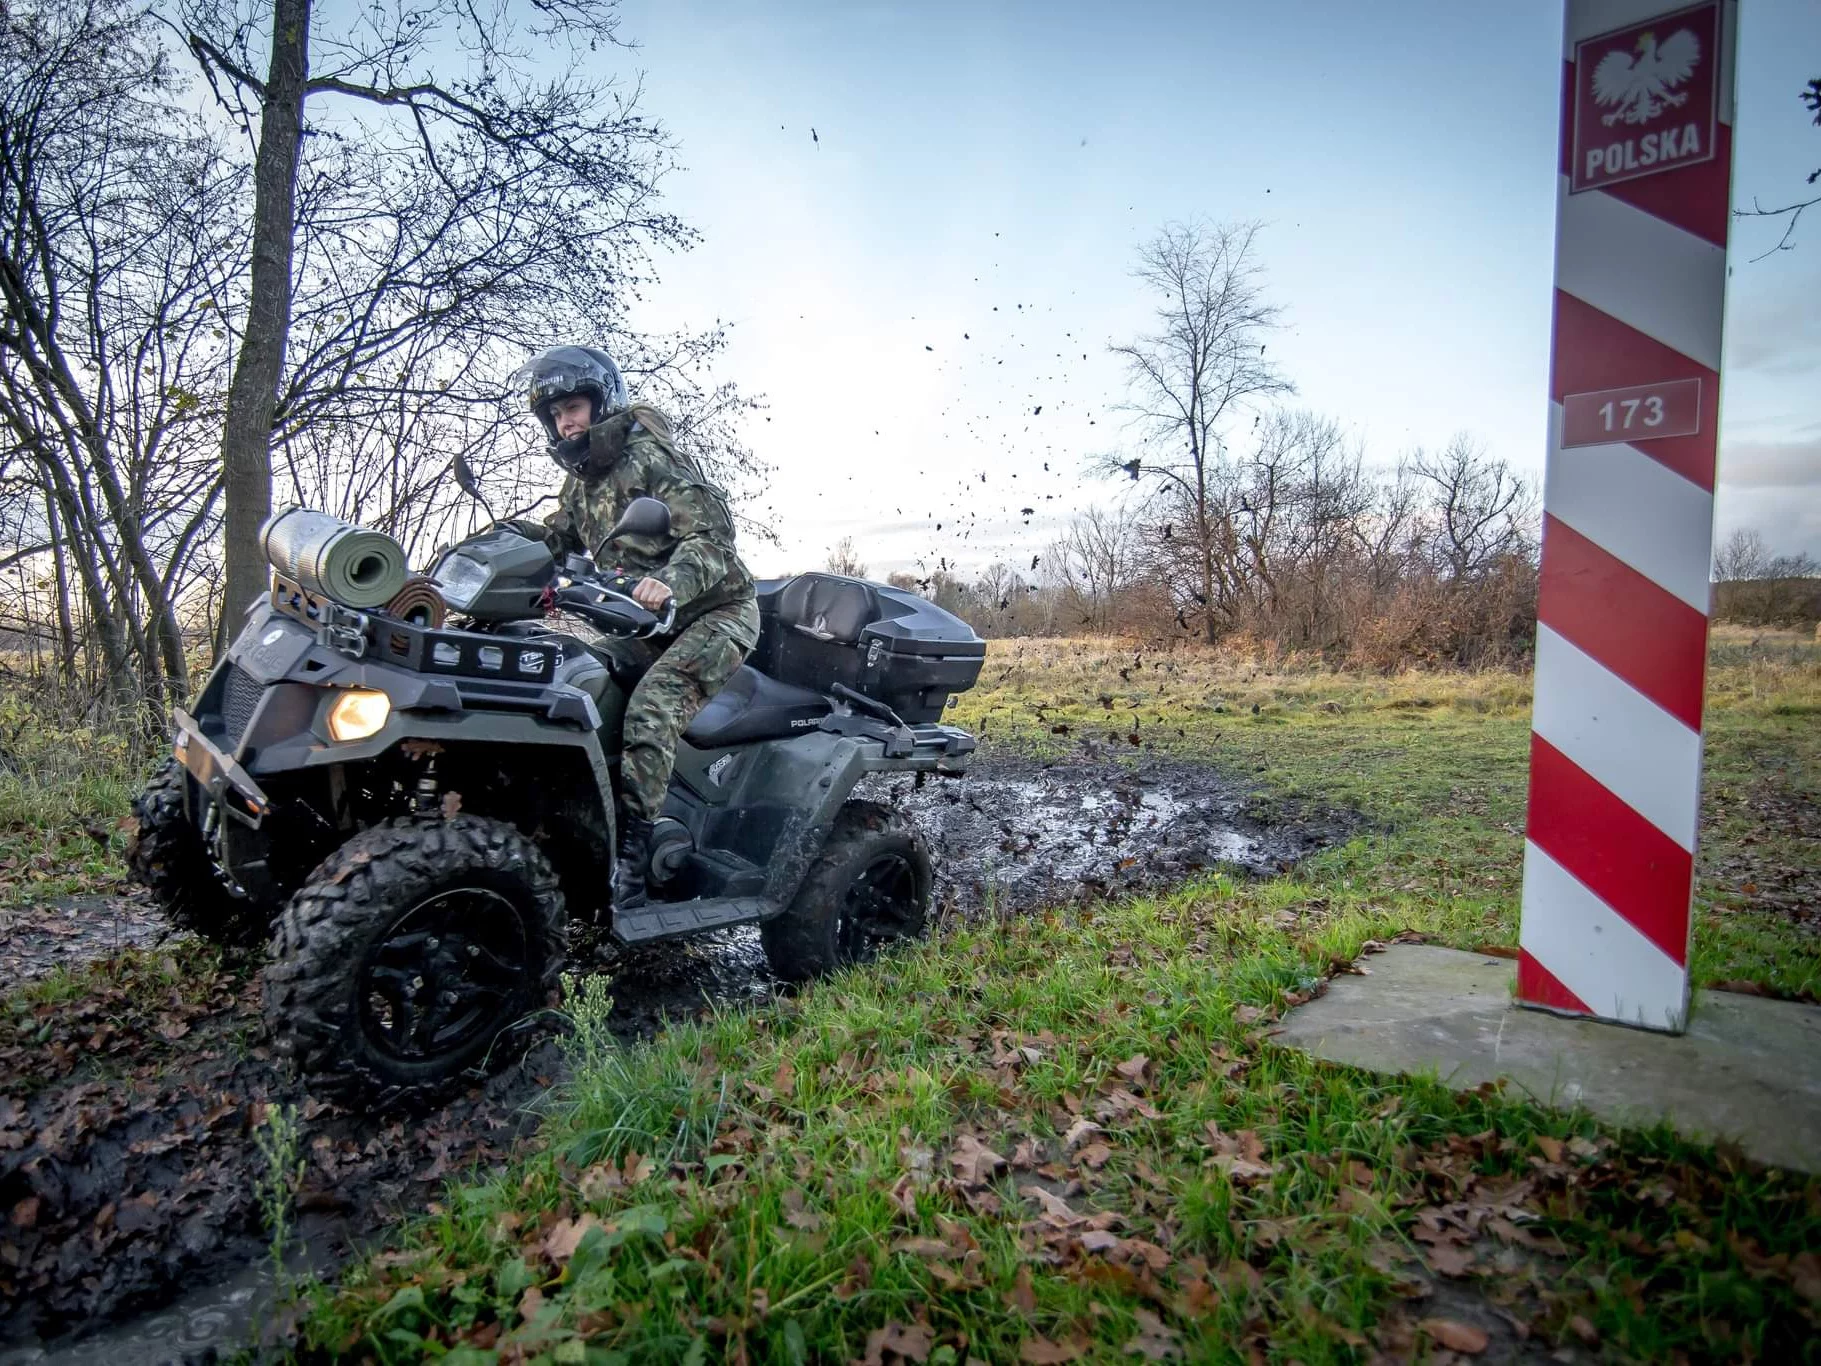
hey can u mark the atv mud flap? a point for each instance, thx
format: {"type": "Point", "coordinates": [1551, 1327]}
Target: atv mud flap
{"type": "Point", "coordinates": [221, 777]}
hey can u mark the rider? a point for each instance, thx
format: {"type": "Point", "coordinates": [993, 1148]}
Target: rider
{"type": "Point", "coordinates": [613, 451]}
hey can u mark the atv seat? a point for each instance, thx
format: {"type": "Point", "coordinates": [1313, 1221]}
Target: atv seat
{"type": "Point", "coordinates": [755, 706]}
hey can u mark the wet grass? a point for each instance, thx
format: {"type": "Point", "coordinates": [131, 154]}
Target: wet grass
{"type": "Point", "coordinates": [1070, 1137]}
{"type": "Point", "coordinates": [63, 793]}
{"type": "Point", "coordinates": [1437, 763]}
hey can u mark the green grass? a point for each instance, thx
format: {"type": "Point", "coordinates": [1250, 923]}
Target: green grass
{"type": "Point", "coordinates": [805, 1191]}
{"type": "Point", "coordinates": [63, 794]}
{"type": "Point", "coordinates": [1438, 764]}
{"type": "Point", "coordinates": [803, 1181]}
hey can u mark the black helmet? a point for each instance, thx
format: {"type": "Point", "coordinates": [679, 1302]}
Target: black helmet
{"type": "Point", "coordinates": [570, 370]}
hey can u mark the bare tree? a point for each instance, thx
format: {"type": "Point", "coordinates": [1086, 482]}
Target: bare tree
{"type": "Point", "coordinates": [1193, 377]}
{"type": "Point", "coordinates": [844, 559]}
{"type": "Point", "coordinates": [571, 141]}
{"type": "Point", "coordinates": [1791, 212]}
{"type": "Point", "coordinates": [1095, 560]}
{"type": "Point", "coordinates": [1483, 511]}
{"type": "Point", "coordinates": [116, 246]}
{"type": "Point", "coordinates": [1741, 556]}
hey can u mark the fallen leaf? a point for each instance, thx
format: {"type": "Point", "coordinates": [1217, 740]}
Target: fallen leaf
{"type": "Point", "coordinates": [1097, 1240]}
{"type": "Point", "coordinates": [1132, 1069]}
{"type": "Point", "coordinates": [1156, 1340]}
{"type": "Point", "coordinates": [1743, 988]}
{"type": "Point", "coordinates": [912, 1343]}
{"type": "Point", "coordinates": [530, 1304]}
{"type": "Point", "coordinates": [1805, 1275]}
{"type": "Point", "coordinates": [599, 1180]}
{"type": "Point", "coordinates": [565, 1236]}
{"type": "Point", "coordinates": [1022, 1297]}
{"type": "Point", "coordinates": [1054, 1206]}
{"type": "Point", "coordinates": [25, 1213]}
{"type": "Point", "coordinates": [1585, 1149]}
{"type": "Point", "coordinates": [973, 1161]}
{"type": "Point", "coordinates": [1095, 1155]}
{"type": "Point", "coordinates": [1079, 1130]}
{"type": "Point", "coordinates": [1551, 1147]}
{"type": "Point", "coordinates": [1456, 1336]}
{"type": "Point", "coordinates": [797, 1215]}
{"type": "Point", "coordinates": [1451, 1259]}
{"type": "Point", "coordinates": [452, 805]}
{"type": "Point", "coordinates": [1120, 1102]}
{"type": "Point", "coordinates": [1040, 1351]}
{"type": "Point", "coordinates": [923, 1247]}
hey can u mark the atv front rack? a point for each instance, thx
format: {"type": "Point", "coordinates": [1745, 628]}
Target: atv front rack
{"type": "Point", "coordinates": [421, 649]}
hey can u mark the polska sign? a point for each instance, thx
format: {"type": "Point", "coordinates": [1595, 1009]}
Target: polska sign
{"type": "Point", "coordinates": [1646, 98]}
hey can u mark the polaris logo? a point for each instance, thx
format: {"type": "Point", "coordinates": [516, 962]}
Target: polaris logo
{"type": "Point", "coordinates": [803, 723]}
{"type": "Point", "coordinates": [718, 768]}
{"type": "Point", "coordinates": [277, 633]}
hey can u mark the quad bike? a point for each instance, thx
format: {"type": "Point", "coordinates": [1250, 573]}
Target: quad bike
{"type": "Point", "coordinates": [410, 807]}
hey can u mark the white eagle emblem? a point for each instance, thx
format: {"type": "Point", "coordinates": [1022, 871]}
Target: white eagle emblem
{"type": "Point", "coordinates": [1641, 86]}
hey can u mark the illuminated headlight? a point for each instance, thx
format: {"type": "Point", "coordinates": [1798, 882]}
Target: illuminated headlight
{"type": "Point", "coordinates": [358, 714]}
{"type": "Point", "coordinates": [461, 578]}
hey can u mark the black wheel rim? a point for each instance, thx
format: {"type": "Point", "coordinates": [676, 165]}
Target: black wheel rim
{"type": "Point", "coordinates": [452, 969]}
{"type": "Point", "coordinates": [879, 908]}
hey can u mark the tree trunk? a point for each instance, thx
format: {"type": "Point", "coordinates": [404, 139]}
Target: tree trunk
{"type": "Point", "coordinates": [246, 442]}
{"type": "Point", "coordinates": [66, 622]}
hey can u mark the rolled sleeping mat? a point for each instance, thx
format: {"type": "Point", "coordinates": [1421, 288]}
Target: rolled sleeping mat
{"type": "Point", "coordinates": [335, 559]}
{"type": "Point", "coordinates": [419, 603]}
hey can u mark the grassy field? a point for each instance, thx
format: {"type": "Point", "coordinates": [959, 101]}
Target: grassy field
{"type": "Point", "coordinates": [1070, 1137]}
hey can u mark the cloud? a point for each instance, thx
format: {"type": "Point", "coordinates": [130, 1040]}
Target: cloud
{"type": "Point", "coordinates": [1792, 463]}
{"type": "Point", "coordinates": [1775, 331]}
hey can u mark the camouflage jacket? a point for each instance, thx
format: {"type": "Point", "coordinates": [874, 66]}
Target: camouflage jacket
{"type": "Point", "coordinates": [696, 560]}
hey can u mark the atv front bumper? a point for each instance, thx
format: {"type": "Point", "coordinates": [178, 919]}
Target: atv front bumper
{"type": "Point", "coordinates": [221, 778]}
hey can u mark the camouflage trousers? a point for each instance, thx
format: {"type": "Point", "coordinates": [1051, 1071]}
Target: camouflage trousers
{"type": "Point", "coordinates": [660, 685]}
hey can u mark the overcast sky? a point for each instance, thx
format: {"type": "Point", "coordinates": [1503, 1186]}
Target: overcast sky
{"type": "Point", "coordinates": [952, 248]}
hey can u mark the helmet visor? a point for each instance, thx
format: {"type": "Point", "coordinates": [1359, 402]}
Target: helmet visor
{"type": "Point", "coordinates": [553, 374]}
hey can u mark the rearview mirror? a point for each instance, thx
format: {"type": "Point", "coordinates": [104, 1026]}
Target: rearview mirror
{"type": "Point", "coordinates": [464, 476]}
{"type": "Point", "coordinates": [643, 517]}
{"type": "Point", "coordinates": [465, 480]}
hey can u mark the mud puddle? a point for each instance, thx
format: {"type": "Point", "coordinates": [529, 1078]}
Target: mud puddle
{"type": "Point", "coordinates": [1016, 834]}
{"type": "Point", "coordinates": [73, 930]}
{"type": "Point", "coordinates": [129, 1218]}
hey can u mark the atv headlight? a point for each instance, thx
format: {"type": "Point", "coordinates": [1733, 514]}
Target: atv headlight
{"type": "Point", "coordinates": [358, 714]}
{"type": "Point", "coordinates": [460, 578]}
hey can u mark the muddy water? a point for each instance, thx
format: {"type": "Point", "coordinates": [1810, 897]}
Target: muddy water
{"type": "Point", "coordinates": [1013, 835]}
{"type": "Point", "coordinates": [1016, 834]}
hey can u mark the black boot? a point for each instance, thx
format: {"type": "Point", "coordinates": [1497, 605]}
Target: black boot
{"type": "Point", "coordinates": [629, 891]}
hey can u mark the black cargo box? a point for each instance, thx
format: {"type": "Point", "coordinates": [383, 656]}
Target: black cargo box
{"type": "Point", "coordinates": [893, 646]}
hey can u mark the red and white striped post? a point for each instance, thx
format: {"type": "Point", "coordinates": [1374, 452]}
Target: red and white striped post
{"type": "Point", "coordinates": [1615, 748]}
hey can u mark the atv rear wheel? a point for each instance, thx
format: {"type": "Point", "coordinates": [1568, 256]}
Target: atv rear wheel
{"type": "Point", "coordinates": [407, 953]}
{"type": "Point", "coordinates": [166, 854]}
{"type": "Point", "coordinates": [869, 889]}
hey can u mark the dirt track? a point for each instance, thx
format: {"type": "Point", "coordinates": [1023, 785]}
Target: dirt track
{"type": "Point", "coordinates": [127, 1160]}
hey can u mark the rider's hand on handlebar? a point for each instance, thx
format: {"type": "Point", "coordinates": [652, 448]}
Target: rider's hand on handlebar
{"type": "Point", "coordinates": [651, 594]}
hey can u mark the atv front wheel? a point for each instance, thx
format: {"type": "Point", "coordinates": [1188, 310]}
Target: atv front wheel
{"type": "Point", "coordinates": [870, 888]}
{"type": "Point", "coordinates": [408, 952]}
{"type": "Point", "coordinates": [166, 854]}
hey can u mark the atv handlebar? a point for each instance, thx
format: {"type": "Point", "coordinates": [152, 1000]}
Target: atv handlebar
{"type": "Point", "coordinates": [614, 609]}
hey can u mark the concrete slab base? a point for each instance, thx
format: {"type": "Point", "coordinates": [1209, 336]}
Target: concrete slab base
{"type": "Point", "coordinates": [1748, 1069]}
